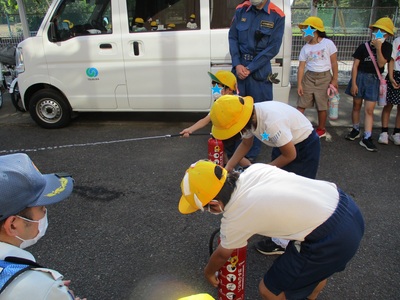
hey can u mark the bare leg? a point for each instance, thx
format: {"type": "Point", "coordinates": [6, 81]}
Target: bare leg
{"type": "Point", "coordinates": [386, 114]}
{"type": "Point", "coordinates": [322, 115]}
{"type": "Point", "coordinates": [301, 109]}
{"type": "Point", "coordinates": [266, 294]}
{"type": "Point", "coordinates": [369, 115]}
{"type": "Point", "coordinates": [355, 114]}
{"type": "Point", "coordinates": [317, 290]}
{"type": "Point", "coordinates": [397, 121]}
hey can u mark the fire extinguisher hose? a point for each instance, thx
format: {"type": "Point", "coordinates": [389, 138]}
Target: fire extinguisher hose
{"type": "Point", "coordinates": [97, 143]}
{"type": "Point", "coordinates": [211, 242]}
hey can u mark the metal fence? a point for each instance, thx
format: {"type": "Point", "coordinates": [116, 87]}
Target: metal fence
{"type": "Point", "coordinates": [345, 30]}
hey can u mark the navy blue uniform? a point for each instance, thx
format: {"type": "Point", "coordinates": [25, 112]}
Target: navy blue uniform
{"type": "Point", "coordinates": [255, 37]}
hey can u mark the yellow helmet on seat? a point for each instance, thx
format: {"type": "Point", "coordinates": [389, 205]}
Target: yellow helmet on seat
{"type": "Point", "coordinates": [139, 21]}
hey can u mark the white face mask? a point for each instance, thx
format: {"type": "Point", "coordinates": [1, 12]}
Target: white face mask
{"type": "Point", "coordinates": [256, 2]}
{"type": "Point", "coordinates": [216, 96]}
{"type": "Point", "coordinates": [42, 227]}
{"type": "Point", "coordinates": [379, 39]}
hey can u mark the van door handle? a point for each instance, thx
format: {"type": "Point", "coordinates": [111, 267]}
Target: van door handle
{"type": "Point", "coordinates": [136, 48]}
{"type": "Point", "coordinates": [105, 46]}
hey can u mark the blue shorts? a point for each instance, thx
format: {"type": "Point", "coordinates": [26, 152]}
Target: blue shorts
{"type": "Point", "coordinates": [368, 86]}
{"type": "Point", "coordinates": [307, 160]}
{"type": "Point", "coordinates": [325, 251]}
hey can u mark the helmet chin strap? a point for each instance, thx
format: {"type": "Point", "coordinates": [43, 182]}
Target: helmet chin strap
{"type": "Point", "coordinates": [198, 203]}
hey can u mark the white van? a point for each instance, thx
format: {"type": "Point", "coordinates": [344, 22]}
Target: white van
{"type": "Point", "coordinates": [90, 56]}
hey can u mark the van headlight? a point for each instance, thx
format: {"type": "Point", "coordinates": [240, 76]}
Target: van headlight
{"type": "Point", "coordinates": [19, 60]}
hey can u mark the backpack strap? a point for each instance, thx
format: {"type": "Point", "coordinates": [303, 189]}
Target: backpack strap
{"type": "Point", "coordinates": [12, 267]}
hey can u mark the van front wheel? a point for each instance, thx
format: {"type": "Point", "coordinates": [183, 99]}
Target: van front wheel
{"type": "Point", "coordinates": [49, 109]}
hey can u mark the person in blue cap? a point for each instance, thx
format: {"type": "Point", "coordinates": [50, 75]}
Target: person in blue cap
{"type": "Point", "coordinates": [24, 195]}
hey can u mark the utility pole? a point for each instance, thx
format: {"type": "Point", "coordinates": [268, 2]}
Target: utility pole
{"type": "Point", "coordinates": [314, 8]}
{"type": "Point", "coordinates": [24, 22]}
{"type": "Point", "coordinates": [372, 17]}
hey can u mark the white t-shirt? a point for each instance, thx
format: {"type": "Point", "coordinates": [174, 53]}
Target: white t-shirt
{"type": "Point", "coordinates": [272, 202]}
{"type": "Point", "coordinates": [396, 54]}
{"type": "Point", "coordinates": [278, 124]}
{"type": "Point", "coordinates": [318, 56]}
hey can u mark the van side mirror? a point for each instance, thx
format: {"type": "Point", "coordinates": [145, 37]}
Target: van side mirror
{"type": "Point", "coordinates": [52, 33]}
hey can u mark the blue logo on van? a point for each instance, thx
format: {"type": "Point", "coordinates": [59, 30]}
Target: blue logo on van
{"type": "Point", "coordinates": [92, 72]}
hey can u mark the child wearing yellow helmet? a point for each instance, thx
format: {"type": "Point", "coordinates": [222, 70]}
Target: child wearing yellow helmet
{"type": "Point", "coordinates": [139, 25]}
{"type": "Point", "coordinates": [364, 82]}
{"type": "Point", "coordinates": [392, 98]}
{"type": "Point", "coordinates": [192, 22]}
{"type": "Point", "coordinates": [223, 83]}
{"type": "Point", "coordinates": [319, 57]}
{"type": "Point", "coordinates": [324, 224]}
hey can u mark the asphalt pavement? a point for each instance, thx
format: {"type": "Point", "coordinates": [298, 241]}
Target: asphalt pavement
{"type": "Point", "coordinates": [120, 235]}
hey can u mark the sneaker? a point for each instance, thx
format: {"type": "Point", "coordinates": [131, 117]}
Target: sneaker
{"type": "Point", "coordinates": [383, 138]}
{"type": "Point", "coordinates": [321, 132]}
{"type": "Point", "coordinates": [268, 247]}
{"type": "Point", "coordinates": [395, 138]}
{"type": "Point", "coordinates": [353, 134]}
{"type": "Point", "coordinates": [368, 144]}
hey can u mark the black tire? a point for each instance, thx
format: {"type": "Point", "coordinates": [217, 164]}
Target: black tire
{"type": "Point", "coordinates": [1, 97]}
{"type": "Point", "coordinates": [50, 109]}
{"type": "Point", "coordinates": [16, 99]}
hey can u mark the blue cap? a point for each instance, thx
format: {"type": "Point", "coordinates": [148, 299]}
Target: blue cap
{"type": "Point", "coordinates": [22, 185]}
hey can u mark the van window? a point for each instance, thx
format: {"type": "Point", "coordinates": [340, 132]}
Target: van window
{"type": "Point", "coordinates": [76, 18]}
{"type": "Point", "coordinates": [222, 12]}
{"type": "Point", "coordinates": [163, 15]}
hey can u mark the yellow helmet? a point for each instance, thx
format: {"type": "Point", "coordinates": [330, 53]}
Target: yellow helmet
{"type": "Point", "coordinates": [229, 115]}
{"type": "Point", "coordinates": [201, 183]}
{"type": "Point", "coordinates": [192, 16]}
{"type": "Point", "coordinates": [198, 297]}
{"type": "Point", "coordinates": [171, 25]}
{"type": "Point", "coordinates": [70, 24]}
{"type": "Point", "coordinates": [314, 22]}
{"type": "Point", "coordinates": [153, 23]}
{"type": "Point", "coordinates": [139, 21]}
{"type": "Point", "coordinates": [385, 24]}
{"type": "Point", "coordinates": [224, 77]}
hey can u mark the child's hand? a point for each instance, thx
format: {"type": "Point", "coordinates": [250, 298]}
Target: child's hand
{"type": "Point", "coordinates": [185, 132]}
{"type": "Point", "coordinates": [354, 90]}
{"type": "Point", "coordinates": [300, 90]}
{"type": "Point", "coordinates": [377, 43]}
{"type": "Point", "coordinates": [395, 84]}
{"type": "Point", "coordinates": [335, 83]}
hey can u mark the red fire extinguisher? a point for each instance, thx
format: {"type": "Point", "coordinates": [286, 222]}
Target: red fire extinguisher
{"type": "Point", "coordinates": [232, 275]}
{"type": "Point", "coordinates": [216, 151]}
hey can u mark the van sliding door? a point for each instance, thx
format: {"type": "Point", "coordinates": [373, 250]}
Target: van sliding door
{"type": "Point", "coordinates": [167, 59]}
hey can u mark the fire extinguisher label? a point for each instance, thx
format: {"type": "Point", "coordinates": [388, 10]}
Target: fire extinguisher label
{"type": "Point", "coordinates": [216, 151]}
{"type": "Point", "coordinates": [232, 276]}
